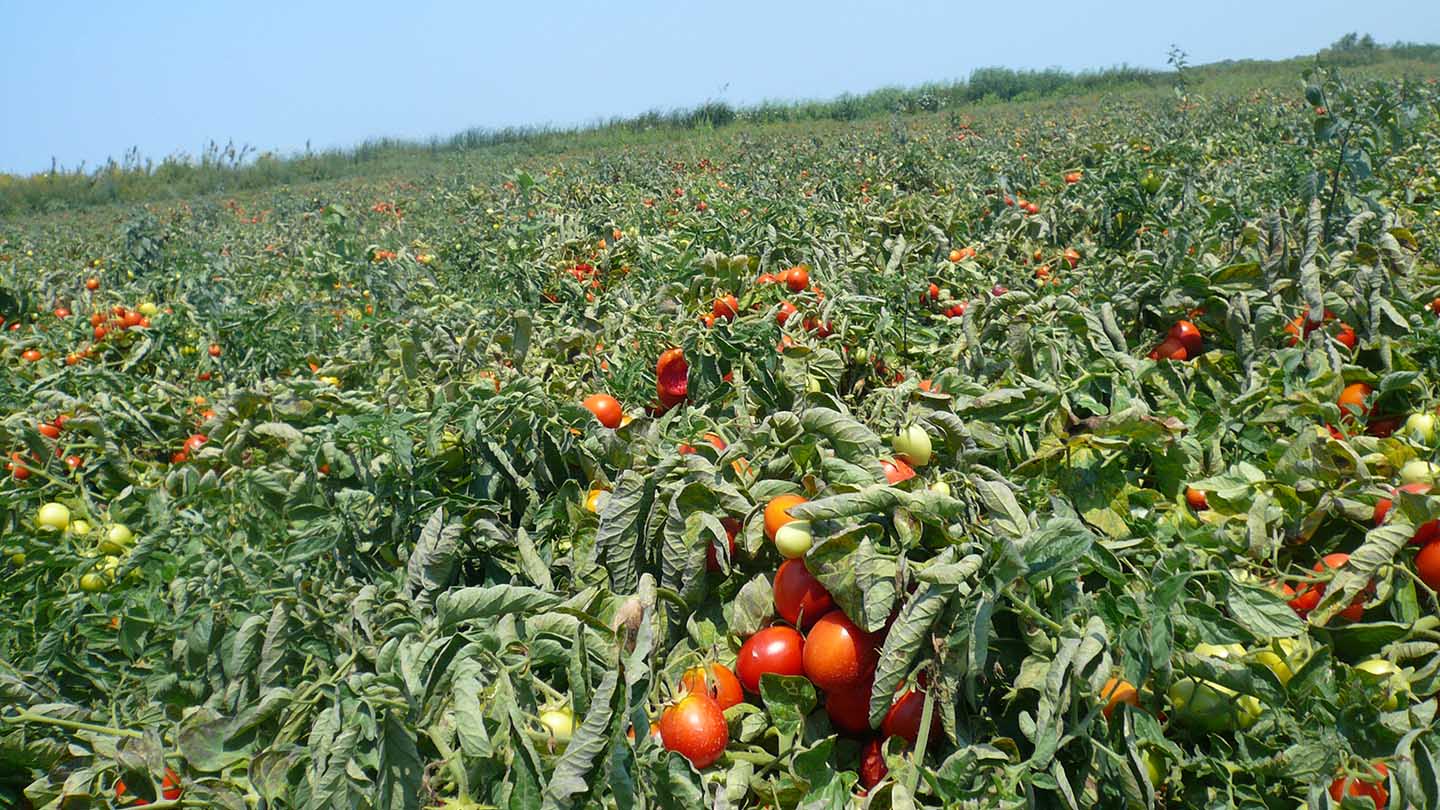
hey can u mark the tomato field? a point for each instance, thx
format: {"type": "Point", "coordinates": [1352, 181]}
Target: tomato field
{"type": "Point", "coordinates": [1071, 455]}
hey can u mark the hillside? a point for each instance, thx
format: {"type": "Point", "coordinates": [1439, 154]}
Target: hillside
{"type": "Point", "coordinates": [232, 168]}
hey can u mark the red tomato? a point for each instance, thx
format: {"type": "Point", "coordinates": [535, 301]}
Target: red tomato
{"type": "Point", "coordinates": [896, 471]}
{"type": "Point", "coordinates": [1346, 335]}
{"type": "Point", "coordinates": [1427, 565]}
{"type": "Point", "coordinates": [719, 683]}
{"type": "Point", "coordinates": [712, 558]}
{"type": "Point", "coordinates": [169, 789]}
{"type": "Point", "coordinates": [31, 355]}
{"type": "Point", "coordinates": [786, 310]}
{"type": "Point", "coordinates": [1169, 349]}
{"type": "Point", "coordinates": [775, 649]}
{"type": "Point", "coordinates": [695, 728]}
{"type": "Point", "coordinates": [1306, 600]}
{"type": "Point", "coordinates": [797, 279]}
{"type": "Point", "coordinates": [872, 763]}
{"type": "Point", "coordinates": [606, 409]}
{"type": "Point", "coordinates": [838, 654]}
{"type": "Point", "coordinates": [214, 347]}
{"type": "Point", "coordinates": [17, 467]}
{"type": "Point", "coordinates": [1382, 427]}
{"type": "Point", "coordinates": [1189, 336]}
{"type": "Point", "coordinates": [48, 430]}
{"type": "Point", "coordinates": [195, 441]}
{"type": "Point", "coordinates": [1426, 532]}
{"type": "Point", "coordinates": [1350, 786]}
{"type": "Point", "coordinates": [849, 709]}
{"type": "Point", "coordinates": [672, 377]}
{"type": "Point", "coordinates": [800, 599]}
{"type": "Point", "coordinates": [903, 719]}
{"type": "Point", "coordinates": [725, 307]}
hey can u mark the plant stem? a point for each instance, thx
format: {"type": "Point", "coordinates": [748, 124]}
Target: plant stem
{"type": "Point", "coordinates": [27, 716]}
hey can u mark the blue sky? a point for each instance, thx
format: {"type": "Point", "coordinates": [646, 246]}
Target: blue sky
{"type": "Point", "coordinates": [81, 81]}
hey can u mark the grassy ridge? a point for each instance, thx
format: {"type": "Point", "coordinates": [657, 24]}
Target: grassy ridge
{"type": "Point", "coordinates": [228, 169]}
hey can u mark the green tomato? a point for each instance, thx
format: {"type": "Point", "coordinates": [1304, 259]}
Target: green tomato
{"type": "Point", "coordinates": [793, 539]}
{"type": "Point", "coordinates": [17, 559]}
{"type": "Point", "coordinates": [117, 540]}
{"type": "Point", "coordinates": [1275, 664]}
{"type": "Point", "coordinates": [148, 309]}
{"type": "Point", "coordinates": [1378, 667]}
{"type": "Point", "coordinates": [1283, 657]}
{"type": "Point", "coordinates": [1416, 471]}
{"type": "Point", "coordinates": [1154, 766]}
{"type": "Point", "coordinates": [53, 517]}
{"type": "Point", "coordinates": [79, 527]}
{"type": "Point", "coordinates": [1219, 650]}
{"type": "Point", "coordinates": [561, 725]}
{"type": "Point", "coordinates": [1387, 677]}
{"type": "Point", "coordinates": [913, 444]}
{"type": "Point", "coordinates": [861, 355]}
{"type": "Point", "coordinates": [940, 488]}
{"type": "Point", "coordinates": [1210, 707]}
{"type": "Point", "coordinates": [1150, 182]}
{"type": "Point", "coordinates": [1420, 427]}
{"type": "Point", "coordinates": [92, 583]}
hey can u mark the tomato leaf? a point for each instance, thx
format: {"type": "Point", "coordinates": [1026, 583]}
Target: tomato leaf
{"type": "Point", "coordinates": [618, 539]}
{"type": "Point", "coordinates": [432, 564]}
{"type": "Point", "coordinates": [475, 603]}
{"type": "Point", "coordinates": [903, 643]}
{"type": "Point", "coordinates": [1262, 611]}
{"type": "Point", "coordinates": [583, 755]}
{"type": "Point", "coordinates": [857, 574]}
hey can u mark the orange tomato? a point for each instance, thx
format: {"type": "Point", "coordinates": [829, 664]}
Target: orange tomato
{"type": "Point", "coordinates": [1115, 692]}
{"type": "Point", "coordinates": [606, 409]}
{"type": "Point", "coordinates": [1196, 499]}
{"type": "Point", "coordinates": [717, 681]}
{"type": "Point", "coordinates": [777, 514]}
{"type": "Point", "coordinates": [1352, 400]}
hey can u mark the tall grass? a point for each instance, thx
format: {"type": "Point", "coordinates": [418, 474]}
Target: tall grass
{"type": "Point", "coordinates": [228, 168]}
